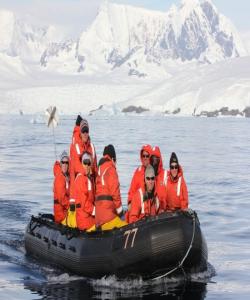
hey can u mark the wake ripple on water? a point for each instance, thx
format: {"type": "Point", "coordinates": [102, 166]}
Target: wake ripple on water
{"type": "Point", "coordinates": [67, 286]}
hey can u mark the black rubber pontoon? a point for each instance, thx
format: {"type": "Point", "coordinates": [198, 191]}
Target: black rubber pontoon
{"type": "Point", "coordinates": [151, 248]}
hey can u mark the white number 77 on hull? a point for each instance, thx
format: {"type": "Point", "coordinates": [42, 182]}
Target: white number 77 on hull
{"type": "Point", "coordinates": [127, 234]}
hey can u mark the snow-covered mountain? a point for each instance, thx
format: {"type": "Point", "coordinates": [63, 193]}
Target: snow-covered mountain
{"type": "Point", "coordinates": [19, 39]}
{"type": "Point", "coordinates": [188, 61]}
{"type": "Point", "coordinates": [128, 36]}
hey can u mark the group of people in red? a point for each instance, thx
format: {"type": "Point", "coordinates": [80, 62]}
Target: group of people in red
{"type": "Point", "coordinates": [87, 196]}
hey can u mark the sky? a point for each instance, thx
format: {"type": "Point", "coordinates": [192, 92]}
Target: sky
{"type": "Point", "coordinates": [76, 15]}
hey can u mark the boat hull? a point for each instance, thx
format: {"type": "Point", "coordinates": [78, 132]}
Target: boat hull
{"type": "Point", "coordinates": [148, 248]}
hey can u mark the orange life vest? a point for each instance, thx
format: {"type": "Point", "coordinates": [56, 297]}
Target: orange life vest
{"type": "Point", "coordinates": [108, 198]}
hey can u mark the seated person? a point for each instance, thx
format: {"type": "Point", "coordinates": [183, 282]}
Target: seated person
{"type": "Point", "coordinates": [145, 201]}
{"type": "Point", "coordinates": [61, 187]}
{"type": "Point", "coordinates": [176, 189]}
{"type": "Point", "coordinates": [138, 177]}
{"type": "Point", "coordinates": [161, 176]}
{"type": "Point", "coordinates": [108, 202]}
{"type": "Point", "coordinates": [82, 202]}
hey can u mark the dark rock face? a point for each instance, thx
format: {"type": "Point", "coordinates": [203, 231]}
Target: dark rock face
{"type": "Point", "coordinates": [224, 111]}
{"type": "Point", "coordinates": [175, 112]}
{"type": "Point", "coordinates": [94, 110]}
{"type": "Point", "coordinates": [192, 42]}
{"type": "Point", "coordinates": [133, 72]}
{"type": "Point", "coordinates": [135, 109]}
{"type": "Point", "coordinates": [233, 112]}
{"type": "Point", "coordinates": [81, 60]}
{"type": "Point", "coordinates": [211, 15]}
{"type": "Point", "coordinates": [56, 49]}
{"type": "Point", "coordinates": [117, 60]}
{"type": "Point", "coordinates": [226, 43]}
{"type": "Point", "coordinates": [246, 111]}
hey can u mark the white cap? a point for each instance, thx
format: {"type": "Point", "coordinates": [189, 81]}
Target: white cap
{"type": "Point", "coordinates": [86, 155]}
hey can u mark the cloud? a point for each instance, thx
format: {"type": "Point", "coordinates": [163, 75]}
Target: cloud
{"type": "Point", "coordinates": [71, 15]}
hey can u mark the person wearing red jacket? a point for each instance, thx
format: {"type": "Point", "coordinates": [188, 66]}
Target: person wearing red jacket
{"type": "Point", "coordinates": [138, 177]}
{"type": "Point", "coordinates": [61, 187]}
{"type": "Point", "coordinates": [145, 201]}
{"type": "Point", "coordinates": [83, 194]}
{"type": "Point", "coordinates": [81, 143]}
{"type": "Point", "coordinates": [161, 176]}
{"type": "Point", "coordinates": [176, 189]}
{"type": "Point", "coordinates": [108, 205]}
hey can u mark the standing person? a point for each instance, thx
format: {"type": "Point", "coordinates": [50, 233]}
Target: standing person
{"type": "Point", "coordinates": [108, 203]}
{"type": "Point", "coordinates": [83, 197]}
{"type": "Point", "coordinates": [138, 177]}
{"type": "Point", "coordinates": [81, 143]}
{"type": "Point", "coordinates": [145, 201]}
{"type": "Point", "coordinates": [176, 190]}
{"type": "Point", "coordinates": [61, 187]}
{"type": "Point", "coordinates": [161, 176]}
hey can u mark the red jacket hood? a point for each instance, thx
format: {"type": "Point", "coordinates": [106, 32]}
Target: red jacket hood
{"type": "Point", "coordinates": [147, 148]}
{"type": "Point", "coordinates": [57, 168]}
{"type": "Point", "coordinates": [180, 173]}
{"type": "Point", "coordinates": [157, 152]}
{"type": "Point", "coordinates": [106, 160]}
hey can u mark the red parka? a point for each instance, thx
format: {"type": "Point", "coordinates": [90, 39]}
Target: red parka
{"type": "Point", "coordinates": [161, 179]}
{"type": "Point", "coordinates": [83, 193]}
{"type": "Point", "coordinates": [77, 148]}
{"type": "Point", "coordinates": [108, 198]}
{"type": "Point", "coordinates": [142, 206]}
{"type": "Point", "coordinates": [176, 192]}
{"type": "Point", "coordinates": [138, 177]}
{"type": "Point", "coordinates": [61, 193]}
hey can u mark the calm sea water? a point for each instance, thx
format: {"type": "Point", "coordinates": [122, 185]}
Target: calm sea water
{"type": "Point", "coordinates": [215, 154]}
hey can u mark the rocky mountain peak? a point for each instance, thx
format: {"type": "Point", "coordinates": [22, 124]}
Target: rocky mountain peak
{"type": "Point", "coordinates": [133, 38]}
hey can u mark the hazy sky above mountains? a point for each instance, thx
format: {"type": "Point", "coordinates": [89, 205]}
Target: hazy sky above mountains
{"type": "Point", "coordinates": [76, 15]}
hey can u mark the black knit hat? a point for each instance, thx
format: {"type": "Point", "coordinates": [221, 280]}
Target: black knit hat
{"type": "Point", "coordinates": [78, 120]}
{"type": "Point", "coordinates": [110, 151]}
{"type": "Point", "coordinates": [173, 159]}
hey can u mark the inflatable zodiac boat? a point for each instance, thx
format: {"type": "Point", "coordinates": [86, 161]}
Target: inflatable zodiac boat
{"type": "Point", "coordinates": [150, 248]}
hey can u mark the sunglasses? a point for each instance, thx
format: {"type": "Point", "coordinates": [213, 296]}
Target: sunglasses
{"type": "Point", "coordinates": [175, 167]}
{"type": "Point", "coordinates": [150, 178]}
{"type": "Point", "coordinates": [145, 155]}
{"type": "Point", "coordinates": [85, 130]}
{"type": "Point", "coordinates": [86, 162]}
{"type": "Point", "coordinates": [64, 162]}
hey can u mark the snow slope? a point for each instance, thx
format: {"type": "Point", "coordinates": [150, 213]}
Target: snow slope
{"type": "Point", "coordinates": [190, 90]}
{"type": "Point", "coordinates": [193, 91]}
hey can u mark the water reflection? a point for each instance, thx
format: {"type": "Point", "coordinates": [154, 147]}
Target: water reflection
{"type": "Point", "coordinates": [84, 289]}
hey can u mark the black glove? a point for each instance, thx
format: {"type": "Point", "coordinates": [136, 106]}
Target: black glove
{"type": "Point", "coordinates": [72, 207]}
{"type": "Point", "coordinates": [78, 120]}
